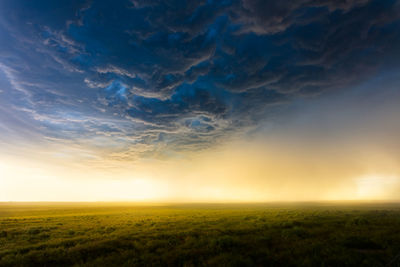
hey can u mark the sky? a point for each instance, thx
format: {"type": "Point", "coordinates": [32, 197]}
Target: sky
{"type": "Point", "coordinates": [199, 101]}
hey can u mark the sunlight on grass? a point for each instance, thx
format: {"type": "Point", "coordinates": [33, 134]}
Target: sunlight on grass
{"type": "Point", "coordinates": [124, 234]}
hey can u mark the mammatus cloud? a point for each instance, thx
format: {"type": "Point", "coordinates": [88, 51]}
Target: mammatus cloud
{"type": "Point", "coordinates": [155, 78]}
{"type": "Point", "coordinates": [270, 17]}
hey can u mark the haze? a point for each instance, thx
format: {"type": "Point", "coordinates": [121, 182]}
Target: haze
{"type": "Point", "coordinates": [199, 101]}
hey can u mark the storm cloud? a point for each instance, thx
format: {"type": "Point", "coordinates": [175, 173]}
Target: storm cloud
{"type": "Point", "coordinates": [152, 78]}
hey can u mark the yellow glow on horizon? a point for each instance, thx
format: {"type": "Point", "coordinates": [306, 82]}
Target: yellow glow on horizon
{"type": "Point", "coordinates": [243, 172]}
{"type": "Point", "coordinates": [375, 186]}
{"type": "Point", "coordinates": [26, 182]}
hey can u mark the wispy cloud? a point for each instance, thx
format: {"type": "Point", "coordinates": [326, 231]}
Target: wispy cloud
{"type": "Point", "coordinates": [155, 78]}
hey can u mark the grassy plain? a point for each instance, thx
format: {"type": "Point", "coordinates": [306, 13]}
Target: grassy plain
{"type": "Point", "coordinates": [123, 234]}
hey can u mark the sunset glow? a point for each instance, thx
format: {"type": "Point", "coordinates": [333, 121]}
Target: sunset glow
{"type": "Point", "coordinates": [216, 102]}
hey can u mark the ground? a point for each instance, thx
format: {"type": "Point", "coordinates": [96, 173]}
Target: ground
{"type": "Point", "coordinates": [126, 234]}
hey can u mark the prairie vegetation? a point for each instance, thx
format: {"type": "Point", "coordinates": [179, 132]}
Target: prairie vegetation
{"type": "Point", "coordinates": [83, 234]}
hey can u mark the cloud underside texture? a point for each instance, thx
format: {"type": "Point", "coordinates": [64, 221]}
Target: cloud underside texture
{"type": "Point", "coordinates": [153, 78]}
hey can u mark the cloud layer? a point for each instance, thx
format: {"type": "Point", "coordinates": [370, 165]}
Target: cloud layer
{"type": "Point", "coordinates": [151, 79]}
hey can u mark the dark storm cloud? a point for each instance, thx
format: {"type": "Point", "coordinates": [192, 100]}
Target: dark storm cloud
{"type": "Point", "coordinates": [269, 17]}
{"type": "Point", "coordinates": [165, 76]}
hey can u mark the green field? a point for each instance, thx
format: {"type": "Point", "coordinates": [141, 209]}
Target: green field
{"type": "Point", "coordinates": [308, 234]}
